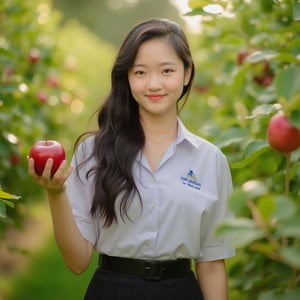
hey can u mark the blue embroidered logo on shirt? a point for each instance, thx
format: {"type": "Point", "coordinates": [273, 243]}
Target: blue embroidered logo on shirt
{"type": "Point", "coordinates": [191, 180]}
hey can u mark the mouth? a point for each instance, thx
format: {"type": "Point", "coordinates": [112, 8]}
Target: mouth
{"type": "Point", "coordinates": [155, 97]}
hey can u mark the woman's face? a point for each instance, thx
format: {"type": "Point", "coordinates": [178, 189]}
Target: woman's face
{"type": "Point", "coordinates": [157, 78]}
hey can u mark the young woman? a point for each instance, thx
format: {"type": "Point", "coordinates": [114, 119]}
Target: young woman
{"type": "Point", "coordinates": [144, 192]}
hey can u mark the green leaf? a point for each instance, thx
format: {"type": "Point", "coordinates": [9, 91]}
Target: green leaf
{"type": "Point", "coordinates": [9, 88]}
{"type": "Point", "coordinates": [291, 255]}
{"type": "Point", "coordinates": [296, 11]}
{"type": "Point", "coordinates": [266, 206]}
{"type": "Point", "coordinates": [5, 52]}
{"type": "Point", "coordinates": [287, 57]}
{"type": "Point", "coordinates": [290, 294]}
{"type": "Point", "coordinates": [238, 201]}
{"type": "Point", "coordinates": [264, 109]}
{"type": "Point", "coordinates": [242, 231]}
{"type": "Point", "coordinates": [231, 136]}
{"type": "Point", "coordinates": [2, 210]}
{"type": "Point", "coordinates": [267, 5]}
{"type": "Point", "coordinates": [253, 150]}
{"type": "Point", "coordinates": [290, 227]}
{"type": "Point", "coordinates": [255, 146]}
{"type": "Point", "coordinates": [285, 208]}
{"type": "Point", "coordinates": [198, 3]}
{"type": "Point", "coordinates": [295, 118]}
{"type": "Point", "coordinates": [255, 188]}
{"type": "Point", "coordinates": [287, 83]}
{"type": "Point", "coordinates": [294, 104]}
{"type": "Point", "coordinates": [8, 203]}
{"type": "Point", "coordinates": [4, 195]}
{"type": "Point", "coordinates": [262, 247]}
{"type": "Point", "coordinates": [250, 190]}
{"type": "Point", "coordinates": [196, 12]}
{"type": "Point", "coordinates": [261, 56]}
{"type": "Point", "coordinates": [294, 46]}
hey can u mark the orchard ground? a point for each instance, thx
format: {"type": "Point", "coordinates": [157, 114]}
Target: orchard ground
{"type": "Point", "coordinates": [21, 244]}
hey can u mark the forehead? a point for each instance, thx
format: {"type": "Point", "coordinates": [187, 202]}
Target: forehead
{"type": "Point", "coordinates": [156, 49]}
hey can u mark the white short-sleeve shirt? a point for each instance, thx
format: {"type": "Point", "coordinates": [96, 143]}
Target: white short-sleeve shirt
{"type": "Point", "coordinates": [182, 203]}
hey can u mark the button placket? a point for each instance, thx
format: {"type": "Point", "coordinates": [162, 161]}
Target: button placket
{"type": "Point", "coordinates": [153, 212]}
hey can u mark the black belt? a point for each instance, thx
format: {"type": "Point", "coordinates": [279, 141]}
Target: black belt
{"type": "Point", "coordinates": [147, 269]}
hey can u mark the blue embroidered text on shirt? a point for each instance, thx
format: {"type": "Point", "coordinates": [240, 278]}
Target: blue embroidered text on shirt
{"type": "Point", "coordinates": [191, 180]}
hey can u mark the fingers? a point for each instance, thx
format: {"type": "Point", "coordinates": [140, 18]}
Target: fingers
{"type": "Point", "coordinates": [31, 170]}
{"type": "Point", "coordinates": [60, 172]}
{"type": "Point", "coordinates": [47, 169]}
{"type": "Point", "coordinates": [55, 182]}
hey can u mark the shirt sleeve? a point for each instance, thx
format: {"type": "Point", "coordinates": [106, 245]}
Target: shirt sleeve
{"type": "Point", "coordinates": [79, 191]}
{"type": "Point", "coordinates": [214, 248]}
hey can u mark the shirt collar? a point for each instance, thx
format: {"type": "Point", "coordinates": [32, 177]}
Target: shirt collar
{"type": "Point", "coordinates": [183, 134]}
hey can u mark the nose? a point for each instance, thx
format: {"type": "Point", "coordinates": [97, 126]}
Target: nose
{"type": "Point", "coordinates": [154, 82]}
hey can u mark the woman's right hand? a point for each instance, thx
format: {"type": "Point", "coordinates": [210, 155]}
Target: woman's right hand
{"type": "Point", "coordinates": [55, 184]}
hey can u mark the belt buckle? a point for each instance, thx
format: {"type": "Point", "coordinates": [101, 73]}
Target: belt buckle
{"type": "Point", "coordinates": [153, 270]}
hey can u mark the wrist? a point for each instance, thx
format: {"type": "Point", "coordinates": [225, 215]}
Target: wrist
{"type": "Point", "coordinates": [56, 191]}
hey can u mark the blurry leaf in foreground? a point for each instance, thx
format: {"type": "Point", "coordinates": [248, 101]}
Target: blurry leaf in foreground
{"type": "Point", "coordinates": [242, 231]}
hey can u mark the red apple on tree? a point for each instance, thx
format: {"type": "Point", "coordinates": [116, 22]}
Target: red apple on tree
{"type": "Point", "coordinates": [42, 96]}
{"type": "Point", "coordinates": [41, 151]}
{"type": "Point", "coordinates": [282, 136]}
{"type": "Point", "coordinates": [15, 159]}
{"type": "Point", "coordinates": [265, 78]}
{"type": "Point", "coordinates": [52, 81]}
{"type": "Point", "coordinates": [242, 56]}
{"type": "Point", "coordinates": [34, 55]}
{"type": "Point", "coordinates": [9, 71]}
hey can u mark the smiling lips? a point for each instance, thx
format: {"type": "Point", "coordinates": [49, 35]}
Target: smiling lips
{"type": "Point", "coordinates": [155, 97]}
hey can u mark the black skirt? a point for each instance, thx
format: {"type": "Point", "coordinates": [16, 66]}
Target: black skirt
{"type": "Point", "coordinates": [107, 285]}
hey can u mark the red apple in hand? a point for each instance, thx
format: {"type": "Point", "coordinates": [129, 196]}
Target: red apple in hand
{"type": "Point", "coordinates": [282, 136]}
{"type": "Point", "coordinates": [41, 151]}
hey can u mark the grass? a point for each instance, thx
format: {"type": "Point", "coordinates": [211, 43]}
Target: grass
{"type": "Point", "coordinates": [48, 278]}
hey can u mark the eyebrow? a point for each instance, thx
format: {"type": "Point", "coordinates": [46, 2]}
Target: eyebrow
{"type": "Point", "coordinates": [167, 63]}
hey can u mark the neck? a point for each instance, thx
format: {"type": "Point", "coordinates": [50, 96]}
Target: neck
{"type": "Point", "coordinates": [159, 129]}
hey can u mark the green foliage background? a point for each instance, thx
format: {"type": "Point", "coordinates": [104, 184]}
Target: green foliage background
{"type": "Point", "coordinates": [111, 19]}
{"type": "Point", "coordinates": [63, 114]}
{"type": "Point", "coordinates": [266, 198]}
{"type": "Point", "coordinates": [231, 105]}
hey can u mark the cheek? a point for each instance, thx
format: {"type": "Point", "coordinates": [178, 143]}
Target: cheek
{"type": "Point", "coordinates": [176, 84]}
{"type": "Point", "coordinates": [135, 86]}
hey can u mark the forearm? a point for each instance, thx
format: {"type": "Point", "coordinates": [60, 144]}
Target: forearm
{"type": "Point", "coordinates": [213, 280]}
{"type": "Point", "coordinates": [74, 248]}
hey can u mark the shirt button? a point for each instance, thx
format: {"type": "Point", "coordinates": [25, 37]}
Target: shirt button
{"type": "Point", "coordinates": [152, 179]}
{"type": "Point", "coordinates": [149, 243]}
{"type": "Point", "coordinates": [152, 205]}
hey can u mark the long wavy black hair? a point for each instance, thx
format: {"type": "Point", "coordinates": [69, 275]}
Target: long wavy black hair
{"type": "Point", "coordinates": [120, 135]}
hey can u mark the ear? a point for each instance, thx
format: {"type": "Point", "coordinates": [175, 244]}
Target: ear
{"type": "Point", "coordinates": [187, 75]}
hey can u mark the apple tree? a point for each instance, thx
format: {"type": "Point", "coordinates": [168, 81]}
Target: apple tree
{"type": "Point", "coordinates": [248, 70]}
{"type": "Point", "coordinates": [34, 95]}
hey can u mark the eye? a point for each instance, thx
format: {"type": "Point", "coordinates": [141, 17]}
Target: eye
{"type": "Point", "coordinates": [167, 71]}
{"type": "Point", "coordinates": [139, 73]}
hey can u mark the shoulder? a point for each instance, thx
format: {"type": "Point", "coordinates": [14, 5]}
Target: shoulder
{"type": "Point", "coordinates": [199, 143]}
{"type": "Point", "coordinates": [86, 144]}
{"type": "Point", "coordinates": [85, 148]}
{"type": "Point", "coordinates": [202, 143]}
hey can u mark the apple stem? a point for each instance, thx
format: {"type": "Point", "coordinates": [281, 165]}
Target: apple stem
{"type": "Point", "coordinates": [287, 175]}
{"type": "Point", "coordinates": [46, 139]}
